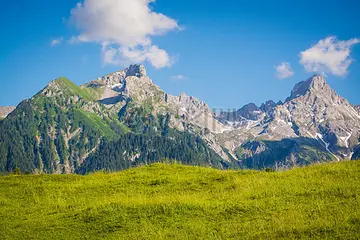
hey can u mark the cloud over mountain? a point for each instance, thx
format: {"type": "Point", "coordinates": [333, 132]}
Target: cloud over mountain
{"type": "Point", "coordinates": [124, 28]}
{"type": "Point", "coordinates": [329, 55]}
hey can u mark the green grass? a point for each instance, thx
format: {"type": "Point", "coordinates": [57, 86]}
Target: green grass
{"type": "Point", "coordinates": [86, 93]}
{"type": "Point", "coordinates": [95, 121]}
{"type": "Point", "coordinates": [180, 202]}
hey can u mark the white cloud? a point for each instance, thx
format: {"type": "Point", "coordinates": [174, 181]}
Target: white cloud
{"type": "Point", "coordinates": [57, 41]}
{"type": "Point", "coordinates": [284, 70]}
{"type": "Point", "coordinates": [329, 55]}
{"type": "Point", "coordinates": [179, 77]}
{"type": "Point", "coordinates": [124, 28]}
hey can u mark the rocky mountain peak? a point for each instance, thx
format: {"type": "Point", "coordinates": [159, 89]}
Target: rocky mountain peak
{"type": "Point", "coordinates": [137, 70]}
{"type": "Point", "coordinates": [249, 111]}
{"type": "Point", "coordinates": [268, 106]}
{"type": "Point", "coordinates": [316, 83]}
{"type": "Point", "coordinates": [249, 107]}
{"type": "Point", "coordinates": [117, 79]}
{"type": "Point", "coordinates": [191, 102]}
{"type": "Point", "coordinates": [183, 95]}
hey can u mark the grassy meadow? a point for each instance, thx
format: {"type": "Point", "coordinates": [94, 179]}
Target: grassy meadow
{"type": "Point", "coordinates": [181, 202]}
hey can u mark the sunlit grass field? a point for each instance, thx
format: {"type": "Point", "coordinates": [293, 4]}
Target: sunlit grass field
{"type": "Point", "coordinates": [181, 202]}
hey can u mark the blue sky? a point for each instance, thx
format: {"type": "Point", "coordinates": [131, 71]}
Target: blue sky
{"type": "Point", "coordinates": [226, 50]}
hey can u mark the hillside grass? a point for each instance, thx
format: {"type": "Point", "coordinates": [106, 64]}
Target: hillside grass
{"type": "Point", "coordinates": [86, 93]}
{"type": "Point", "coordinates": [180, 202]}
{"type": "Point", "coordinates": [95, 121]}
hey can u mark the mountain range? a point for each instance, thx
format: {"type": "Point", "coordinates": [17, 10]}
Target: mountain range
{"type": "Point", "coordinates": [123, 120]}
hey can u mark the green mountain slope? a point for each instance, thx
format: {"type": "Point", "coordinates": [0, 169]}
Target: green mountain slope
{"type": "Point", "coordinates": [181, 202]}
{"type": "Point", "coordinates": [65, 129]}
{"type": "Point", "coordinates": [51, 132]}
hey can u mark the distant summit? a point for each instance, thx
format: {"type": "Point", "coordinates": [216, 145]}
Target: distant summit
{"type": "Point", "coordinates": [315, 83]}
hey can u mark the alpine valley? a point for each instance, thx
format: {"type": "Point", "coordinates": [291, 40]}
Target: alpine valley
{"type": "Point", "coordinates": [123, 120]}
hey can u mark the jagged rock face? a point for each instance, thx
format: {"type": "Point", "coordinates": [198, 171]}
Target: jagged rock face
{"type": "Point", "coordinates": [243, 117]}
{"type": "Point", "coordinates": [136, 70]}
{"type": "Point", "coordinates": [300, 89]}
{"type": "Point", "coordinates": [313, 110]}
{"type": "Point", "coordinates": [128, 82]}
{"type": "Point", "coordinates": [187, 113]}
{"type": "Point", "coordinates": [117, 88]}
{"type": "Point", "coordinates": [132, 83]}
{"type": "Point", "coordinates": [268, 106]}
{"type": "Point", "coordinates": [318, 112]}
{"type": "Point", "coordinates": [4, 111]}
{"type": "Point", "coordinates": [248, 112]}
{"type": "Point", "coordinates": [193, 111]}
{"type": "Point", "coordinates": [116, 79]}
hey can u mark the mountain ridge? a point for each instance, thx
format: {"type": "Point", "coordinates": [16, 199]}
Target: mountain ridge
{"type": "Point", "coordinates": [67, 125]}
